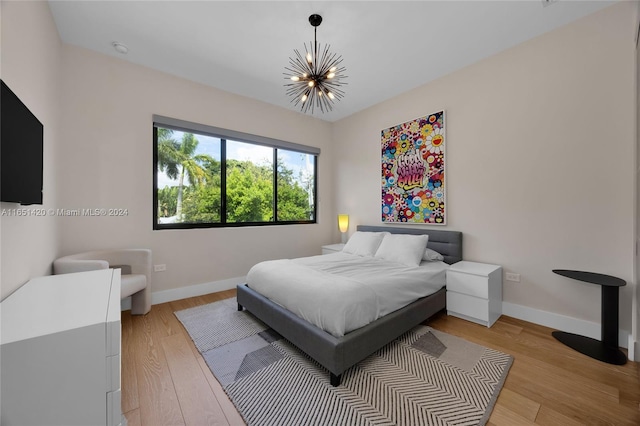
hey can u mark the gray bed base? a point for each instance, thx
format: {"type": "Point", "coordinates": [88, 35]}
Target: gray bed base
{"type": "Point", "coordinates": [337, 354]}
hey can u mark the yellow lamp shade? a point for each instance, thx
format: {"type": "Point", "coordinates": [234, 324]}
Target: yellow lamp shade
{"type": "Point", "coordinates": [343, 222]}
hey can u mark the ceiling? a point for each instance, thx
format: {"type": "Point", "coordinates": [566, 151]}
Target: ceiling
{"type": "Point", "coordinates": [389, 47]}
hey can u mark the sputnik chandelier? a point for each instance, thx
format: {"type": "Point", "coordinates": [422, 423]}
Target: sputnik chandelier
{"type": "Point", "coordinates": [315, 78]}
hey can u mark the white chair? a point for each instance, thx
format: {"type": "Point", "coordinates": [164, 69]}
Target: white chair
{"type": "Point", "coordinates": [136, 272]}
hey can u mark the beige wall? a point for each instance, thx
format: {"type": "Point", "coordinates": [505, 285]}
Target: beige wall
{"type": "Point", "coordinates": [106, 162]}
{"type": "Point", "coordinates": [540, 160]}
{"type": "Point", "coordinates": [31, 52]}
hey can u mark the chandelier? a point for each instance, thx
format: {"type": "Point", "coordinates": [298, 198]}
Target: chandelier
{"type": "Point", "coordinates": [315, 78]}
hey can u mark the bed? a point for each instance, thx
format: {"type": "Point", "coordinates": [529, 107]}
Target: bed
{"type": "Point", "coordinates": [337, 354]}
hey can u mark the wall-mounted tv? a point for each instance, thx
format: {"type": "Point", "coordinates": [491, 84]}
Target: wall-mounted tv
{"type": "Point", "coordinates": [21, 137]}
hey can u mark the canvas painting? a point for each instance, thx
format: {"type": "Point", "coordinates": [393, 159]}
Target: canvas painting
{"type": "Point", "coordinates": [413, 171]}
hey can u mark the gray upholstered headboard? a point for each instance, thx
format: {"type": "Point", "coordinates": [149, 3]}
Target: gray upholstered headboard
{"type": "Point", "coordinates": [447, 243]}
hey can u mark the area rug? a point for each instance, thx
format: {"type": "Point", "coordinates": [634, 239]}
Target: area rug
{"type": "Point", "coordinates": [425, 377]}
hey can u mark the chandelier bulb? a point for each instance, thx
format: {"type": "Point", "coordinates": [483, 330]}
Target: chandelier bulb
{"type": "Point", "coordinates": [295, 78]}
{"type": "Point", "coordinates": [309, 59]}
{"type": "Point", "coordinates": [312, 83]}
{"type": "Point", "coordinates": [330, 95]}
{"type": "Point", "coordinates": [304, 97]}
{"type": "Point", "coordinates": [331, 75]}
{"type": "Point", "coordinates": [319, 92]}
{"type": "Point", "coordinates": [333, 69]}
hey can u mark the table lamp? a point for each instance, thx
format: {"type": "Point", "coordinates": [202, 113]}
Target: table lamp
{"type": "Point", "coordinates": [343, 224]}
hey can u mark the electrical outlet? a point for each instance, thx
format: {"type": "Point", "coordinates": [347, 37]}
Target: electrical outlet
{"type": "Point", "coordinates": [510, 276]}
{"type": "Point", "coordinates": [160, 268]}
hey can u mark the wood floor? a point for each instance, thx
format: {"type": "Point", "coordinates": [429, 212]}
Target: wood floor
{"type": "Point", "coordinates": [165, 381]}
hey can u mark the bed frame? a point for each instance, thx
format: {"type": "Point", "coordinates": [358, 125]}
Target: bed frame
{"type": "Point", "coordinates": [337, 354]}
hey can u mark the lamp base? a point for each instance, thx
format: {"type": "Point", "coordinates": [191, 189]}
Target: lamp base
{"type": "Point", "coordinates": [344, 238]}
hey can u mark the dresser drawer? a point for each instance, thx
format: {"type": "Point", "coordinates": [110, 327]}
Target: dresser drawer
{"type": "Point", "coordinates": [474, 285]}
{"type": "Point", "coordinates": [114, 408]}
{"type": "Point", "coordinates": [113, 373]}
{"type": "Point", "coordinates": [113, 330]}
{"type": "Point", "coordinates": [468, 305]}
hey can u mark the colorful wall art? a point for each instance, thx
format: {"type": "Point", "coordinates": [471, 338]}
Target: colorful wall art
{"type": "Point", "coordinates": [413, 184]}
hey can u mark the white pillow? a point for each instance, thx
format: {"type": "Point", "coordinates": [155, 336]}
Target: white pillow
{"type": "Point", "coordinates": [432, 255]}
{"type": "Point", "coordinates": [364, 243]}
{"type": "Point", "coordinates": [403, 248]}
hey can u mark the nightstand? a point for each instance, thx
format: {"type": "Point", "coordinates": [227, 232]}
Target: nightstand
{"type": "Point", "coordinates": [474, 292]}
{"type": "Point", "coordinates": [332, 248]}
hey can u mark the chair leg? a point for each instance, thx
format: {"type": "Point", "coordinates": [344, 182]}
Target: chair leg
{"type": "Point", "coordinates": [141, 302]}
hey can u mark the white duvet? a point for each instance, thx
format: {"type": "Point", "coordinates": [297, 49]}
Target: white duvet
{"type": "Point", "coordinates": [341, 292]}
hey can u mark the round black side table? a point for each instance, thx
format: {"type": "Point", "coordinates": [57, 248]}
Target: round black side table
{"type": "Point", "coordinates": [605, 350]}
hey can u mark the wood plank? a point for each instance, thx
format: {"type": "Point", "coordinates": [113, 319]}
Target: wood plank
{"type": "Point", "coordinates": [230, 412]}
{"type": "Point", "coordinates": [585, 410]}
{"type": "Point", "coordinates": [182, 330]}
{"type": "Point", "coordinates": [506, 328]}
{"type": "Point", "coordinates": [502, 416]}
{"type": "Point", "coordinates": [156, 392]}
{"type": "Point", "coordinates": [215, 297]}
{"type": "Point", "coordinates": [164, 321]}
{"type": "Point", "coordinates": [549, 417]}
{"type": "Point", "coordinates": [198, 402]}
{"type": "Point", "coordinates": [565, 382]}
{"type": "Point", "coordinates": [179, 305]}
{"type": "Point", "coordinates": [133, 417]}
{"type": "Point", "coordinates": [518, 405]}
{"type": "Point", "coordinates": [129, 380]}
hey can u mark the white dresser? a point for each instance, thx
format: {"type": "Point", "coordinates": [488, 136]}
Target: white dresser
{"type": "Point", "coordinates": [474, 292]}
{"type": "Point", "coordinates": [60, 351]}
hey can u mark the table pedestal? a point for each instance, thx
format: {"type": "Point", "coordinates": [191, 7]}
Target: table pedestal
{"type": "Point", "coordinates": [591, 347]}
{"type": "Point", "coordinates": [605, 350]}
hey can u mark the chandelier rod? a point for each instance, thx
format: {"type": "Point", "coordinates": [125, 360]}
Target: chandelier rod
{"type": "Point", "coordinates": [315, 20]}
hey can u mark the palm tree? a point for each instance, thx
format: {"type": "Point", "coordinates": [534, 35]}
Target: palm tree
{"type": "Point", "coordinates": [178, 161]}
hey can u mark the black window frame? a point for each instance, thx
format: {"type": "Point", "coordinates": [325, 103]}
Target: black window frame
{"type": "Point", "coordinates": [230, 135]}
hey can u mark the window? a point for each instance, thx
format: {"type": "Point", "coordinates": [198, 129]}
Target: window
{"type": "Point", "coordinates": [208, 177]}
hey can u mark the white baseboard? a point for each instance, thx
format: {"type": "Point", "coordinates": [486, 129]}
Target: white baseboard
{"type": "Point", "coordinates": [189, 291]}
{"type": "Point", "coordinates": [634, 349]}
{"type": "Point", "coordinates": [561, 322]}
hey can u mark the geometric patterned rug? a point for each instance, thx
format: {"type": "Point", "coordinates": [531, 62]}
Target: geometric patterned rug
{"type": "Point", "coordinates": [425, 377]}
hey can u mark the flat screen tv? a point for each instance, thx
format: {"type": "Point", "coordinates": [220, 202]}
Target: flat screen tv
{"type": "Point", "coordinates": [21, 137]}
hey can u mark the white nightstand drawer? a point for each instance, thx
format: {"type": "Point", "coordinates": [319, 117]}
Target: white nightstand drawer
{"type": "Point", "coordinates": [473, 285]}
{"type": "Point", "coordinates": [469, 306]}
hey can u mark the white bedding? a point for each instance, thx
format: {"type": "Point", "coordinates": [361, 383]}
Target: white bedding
{"type": "Point", "coordinates": [341, 292]}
